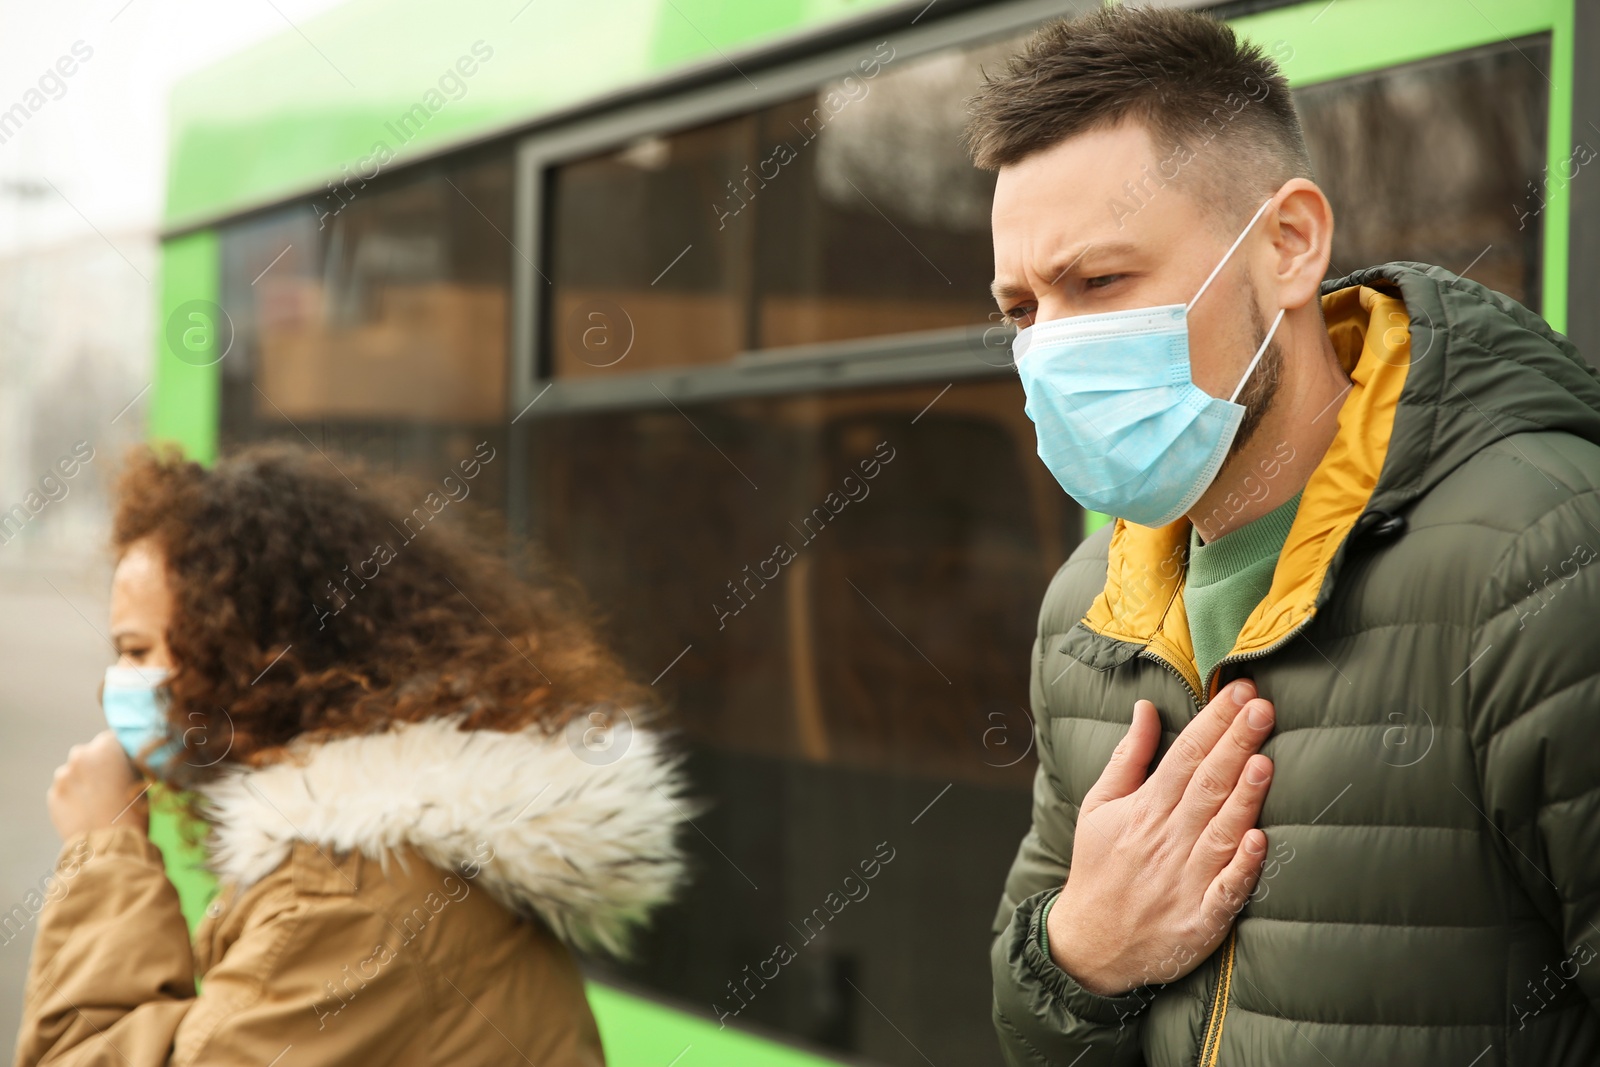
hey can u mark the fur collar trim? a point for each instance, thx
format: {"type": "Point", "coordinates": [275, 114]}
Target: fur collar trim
{"type": "Point", "coordinates": [586, 845]}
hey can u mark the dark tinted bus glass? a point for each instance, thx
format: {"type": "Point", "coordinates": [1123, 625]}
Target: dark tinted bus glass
{"type": "Point", "coordinates": [848, 213]}
{"type": "Point", "coordinates": [1441, 161]}
{"type": "Point", "coordinates": [837, 592]}
{"type": "Point", "coordinates": [376, 320]}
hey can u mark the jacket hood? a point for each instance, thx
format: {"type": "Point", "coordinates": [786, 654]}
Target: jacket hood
{"type": "Point", "coordinates": [1440, 367]}
{"type": "Point", "coordinates": [583, 840]}
{"type": "Point", "coordinates": [1481, 367]}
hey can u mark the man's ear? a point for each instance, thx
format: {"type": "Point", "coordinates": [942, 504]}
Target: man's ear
{"type": "Point", "coordinates": [1302, 236]}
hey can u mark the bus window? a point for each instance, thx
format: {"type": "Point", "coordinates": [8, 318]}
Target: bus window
{"type": "Point", "coordinates": [838, 600]}
{"type": "Point", "coordinates": [375, 319]}
{"type": "Point", "coordinates": [850, 212]}
{"type": "Point", "coordinates": [1439, 161]}
{"type": "Point", "coordinates": [633, 229]}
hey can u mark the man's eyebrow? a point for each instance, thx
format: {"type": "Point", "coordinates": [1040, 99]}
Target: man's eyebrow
{"type": "Point", "coordinates": [1004, 291]}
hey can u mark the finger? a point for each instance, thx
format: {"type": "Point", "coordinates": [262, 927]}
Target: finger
{"type": "Point", "coordinates": [1232, 886]}
{"type": "Point", "coordinates": [1125, 771]}
{"type": "Point", "coordinates": [1222, 835]}
{"type": "Point", "coordinates": [1196, 741]}
{"type": "Point", "coordinates": [111, 755]}
{"type": "Point", "coordinates": [1219, 773]}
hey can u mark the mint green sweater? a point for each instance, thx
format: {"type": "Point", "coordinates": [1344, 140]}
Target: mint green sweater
{"type": "Point", "coordinates": [1227, 579]}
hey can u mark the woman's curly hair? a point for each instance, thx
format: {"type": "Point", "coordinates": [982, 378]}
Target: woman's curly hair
{"type": "Point", "coordinates": [315, 596]}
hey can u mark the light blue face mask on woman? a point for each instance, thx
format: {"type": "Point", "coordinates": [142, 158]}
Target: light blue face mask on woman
{"type": "Point", "coordinates": [136, 710]}
{"type": "Point", "coordinates": [1120, 422]}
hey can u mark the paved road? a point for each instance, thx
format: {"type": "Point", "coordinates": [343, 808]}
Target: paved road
{"type": "Point", "coordinates": [51, 657]}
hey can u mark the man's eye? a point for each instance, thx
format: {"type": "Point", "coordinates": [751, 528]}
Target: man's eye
{"type": "Point", "coordinates": [1019, 315]}
{"type": "Point", "coordinates": [1101, 281]}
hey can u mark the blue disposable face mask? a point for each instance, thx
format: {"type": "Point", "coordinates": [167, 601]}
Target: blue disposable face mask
{"type": "Point", "coordinates": [1119, 420]}
{"type": "Point", "coordinates": [135, 707]}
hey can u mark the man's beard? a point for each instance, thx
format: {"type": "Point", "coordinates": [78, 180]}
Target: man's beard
{"type": "Point", "coordinates": [1259, 391]}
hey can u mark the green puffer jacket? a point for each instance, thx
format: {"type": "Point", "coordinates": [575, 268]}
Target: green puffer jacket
{"type": "Point", "coordinates": [1431, 642]}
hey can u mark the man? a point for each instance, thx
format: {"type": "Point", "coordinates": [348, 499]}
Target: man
{"type": "Point", "coordinates": [1319, 714]}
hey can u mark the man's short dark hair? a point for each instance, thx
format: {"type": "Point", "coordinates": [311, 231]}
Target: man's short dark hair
{"type": "Point", "coordinates": [1216, 107]}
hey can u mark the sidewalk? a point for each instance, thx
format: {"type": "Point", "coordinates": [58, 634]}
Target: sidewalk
{"type": "Point", "coordinates": [52, 616]}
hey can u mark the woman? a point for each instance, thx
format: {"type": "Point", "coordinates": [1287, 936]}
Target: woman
{"type": "Point", "coordinates": [426, 783]}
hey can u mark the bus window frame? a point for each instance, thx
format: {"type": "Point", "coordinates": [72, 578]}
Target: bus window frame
{"type": "Point", "coordinates": [895, 359]}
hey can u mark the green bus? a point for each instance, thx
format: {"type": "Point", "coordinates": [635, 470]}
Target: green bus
{"type": "Point", "coordinates": [711, 279]}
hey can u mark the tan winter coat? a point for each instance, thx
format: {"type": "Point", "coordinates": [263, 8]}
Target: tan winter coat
{"type": "Point", "coordinates": [399, 898]}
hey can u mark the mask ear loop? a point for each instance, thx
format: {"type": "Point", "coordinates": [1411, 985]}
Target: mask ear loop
{"type": "Point", "coordinates": [1257, 357]}
{"type": "Point", "coordinates": [1227, 255]}
{"type": "Point", "coordinates": [1212, 277]}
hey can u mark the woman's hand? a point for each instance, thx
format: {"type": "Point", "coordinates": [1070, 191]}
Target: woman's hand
{"type": "Point", "coordinates": [97, 787]}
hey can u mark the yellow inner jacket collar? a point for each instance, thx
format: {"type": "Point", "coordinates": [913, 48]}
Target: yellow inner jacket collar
{"type": "Point", "coordinates": [1142, 601]}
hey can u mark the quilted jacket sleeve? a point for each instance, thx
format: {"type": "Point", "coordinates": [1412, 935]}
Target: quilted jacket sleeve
{"type": "Point", "coordinates": [1534, 689]}
{"type": "Point", "coordinates": [1040, 1013]}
